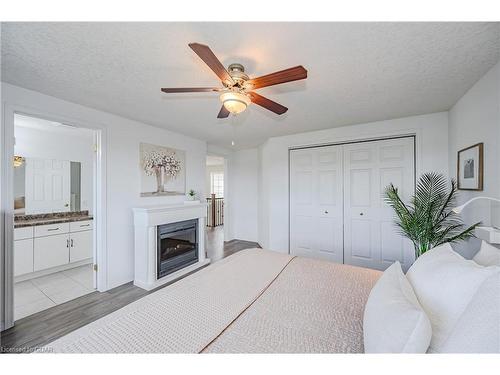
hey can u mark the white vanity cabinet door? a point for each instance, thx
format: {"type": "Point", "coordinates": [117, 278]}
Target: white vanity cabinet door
{"type": "Point", "coordinates": [23, 256]}
{"type": "Point", "coordinates": [51, 251]}
{"type": "Point", "coordinates": [81, 245]}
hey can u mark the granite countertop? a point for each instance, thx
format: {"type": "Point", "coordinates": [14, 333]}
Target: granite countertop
{"type": "Point", "coordinates": [22, 221]}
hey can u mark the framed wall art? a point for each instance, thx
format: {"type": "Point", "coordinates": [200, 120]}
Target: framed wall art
{"type": "Point", "coordinates": [470, 168]}
{"type": "Point", "coordinates": [163, 170]}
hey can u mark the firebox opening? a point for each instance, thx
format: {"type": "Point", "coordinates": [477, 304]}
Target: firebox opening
{"type": "Point", "coordinates": [177, 246]}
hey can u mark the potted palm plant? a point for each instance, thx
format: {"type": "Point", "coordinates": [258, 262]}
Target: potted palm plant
{"type": "Point", "coordinates": [428, 220]}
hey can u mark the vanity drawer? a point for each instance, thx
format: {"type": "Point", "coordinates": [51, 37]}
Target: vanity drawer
{"type": "Point", "coordinates": [23, 233]}
{"type": "Point", "coordinates": [78, 226]}
{"type": "Point", "coordinates": [51, 229]}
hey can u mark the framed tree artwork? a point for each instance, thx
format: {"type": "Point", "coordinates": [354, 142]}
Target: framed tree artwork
{"type": "Point", "coordinates": [470, 168]}
{"type": "Point", "coordinates": [163, 170]}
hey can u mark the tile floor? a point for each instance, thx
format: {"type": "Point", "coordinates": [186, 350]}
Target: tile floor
{"type": "Point", "coordinates": [38, 294]}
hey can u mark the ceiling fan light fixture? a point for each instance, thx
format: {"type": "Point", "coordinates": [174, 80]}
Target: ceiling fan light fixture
{"type": "Point", "coordinates": [235, 102]}
{"type": "Point", "coordinates": [237, 91]}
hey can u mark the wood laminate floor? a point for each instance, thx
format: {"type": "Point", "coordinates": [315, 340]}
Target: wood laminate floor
{"type": "Point", "coordinates": [41, 328]}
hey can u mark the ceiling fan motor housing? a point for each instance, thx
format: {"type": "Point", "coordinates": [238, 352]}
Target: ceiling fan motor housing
{"type": "Point", "coordinates": [237, 73]}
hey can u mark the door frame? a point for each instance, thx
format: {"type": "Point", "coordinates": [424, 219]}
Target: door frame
{"type": "Point", "coordinates": [416, 164]}
{"type": "Point", "coordinates": [7, 201]}
{"type": "Point", "coordinates": [214, 151]}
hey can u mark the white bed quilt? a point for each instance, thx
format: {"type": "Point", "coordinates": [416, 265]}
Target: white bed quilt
{"type": "Point", "coordinates": [254, 301]}
{"type": "Point", "coordinates": [183, 317]}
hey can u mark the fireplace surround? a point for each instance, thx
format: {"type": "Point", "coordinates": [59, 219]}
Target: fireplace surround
{"type": "Point", "coordinates": [169, 242]}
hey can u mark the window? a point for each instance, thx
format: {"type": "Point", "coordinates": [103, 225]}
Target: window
{"type": "Point", "coordinates": [217, 184]}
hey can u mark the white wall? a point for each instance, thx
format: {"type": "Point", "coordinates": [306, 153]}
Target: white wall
{"type": "Point", "coordinates": [123, 173]}
{"type": "Point", "coordinates": [39, 144]}
{"type": "Point", "coordinates": [476, 118]}
{"type": "Point", "coordinates": [243, 179]}
{"type": "Point", "coordinates": [431, 148]}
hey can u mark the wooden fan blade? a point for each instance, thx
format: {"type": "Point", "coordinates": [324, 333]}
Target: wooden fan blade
{"type": "Point", "coordinates": [223, 113]}
{"type": "Point", "coordinates": [206, 54]}
{"type": "Point", "coordinates": [267, 103]}
{"type": "Point", "coordinates": [189, 89]}
{"type": "Point", "coordinates": [287, 75]}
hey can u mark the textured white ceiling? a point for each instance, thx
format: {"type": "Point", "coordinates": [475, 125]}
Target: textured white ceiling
{"type": "Point", "coordinates": [358, 72]}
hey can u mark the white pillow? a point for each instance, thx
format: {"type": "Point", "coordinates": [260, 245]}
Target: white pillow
{"type": "Point", "coordinates": [394, 321]}
{"type": "Point", "coordinates": [445, 284]}
{"type": "Point", "coordinates": [488, 255]}
{"type": "Point", "coordinates": [478, 329]}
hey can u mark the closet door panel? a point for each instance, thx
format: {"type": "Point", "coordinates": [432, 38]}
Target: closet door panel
{"type": "Point", "coordinates": [361, 241]}
{"type": "Point", "coordinates": [360, 236]}
{"type": "Point", "coordinates": [302, 233]}
{"type": "Point", "coordinates": [316, 203]}
{"type": "Point", "coordinates": [360, 187]}
{"type": "Point", "coordinates": [371, 237]}
{"type": "Point", "coordinates": [392, 243]}
{"type": "Point", "coordinates": [329, 243]}
{"type": "Point", "coordinates": [337, 211]}
{"type": "Point", "coordinates": [325, 241]}
{"type": "Point", "coordinates": [396, 176]}
{"type": "Point", "coordinates": [327, 185]}
{"type": "Point", "coordinates": [301, 193]}
{"type": "Point", "coordinates": [396, 166]}
{"type": "Point", "coordinates": [304, 188]}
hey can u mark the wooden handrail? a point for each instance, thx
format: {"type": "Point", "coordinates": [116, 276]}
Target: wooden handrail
{"type": "Point", "coordinates": [215, 211]}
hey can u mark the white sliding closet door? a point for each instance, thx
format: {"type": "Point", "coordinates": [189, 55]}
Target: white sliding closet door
{"type": "Point", "coordinates": [370, 236]}
{"type": "Point", "coordinates": [316, 203]}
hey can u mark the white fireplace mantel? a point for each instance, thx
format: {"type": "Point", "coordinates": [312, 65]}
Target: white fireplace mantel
{"type": "Point", "coordinates": [146, 220]}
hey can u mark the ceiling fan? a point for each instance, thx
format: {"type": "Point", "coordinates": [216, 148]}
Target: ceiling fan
{"type": "Point", "coordinates": [236, 93]}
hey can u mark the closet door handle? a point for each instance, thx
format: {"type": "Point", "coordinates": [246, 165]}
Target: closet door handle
{"type": "Point", "coordinates": [67, 243]}
{"type": "Point", "coordinates": [71, 242]}
{"type": "Point", "coordinates": [361, 214]}
{"type": "Point", "coordinates": [326, 211]}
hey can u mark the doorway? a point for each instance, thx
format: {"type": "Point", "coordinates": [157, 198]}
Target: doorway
{"type": "Point", "coordinates": [53, 189]}
{"type": "Point", "coordinates": [215, 192]}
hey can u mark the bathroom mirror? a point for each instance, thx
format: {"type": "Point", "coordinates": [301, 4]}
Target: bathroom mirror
{"type": "Point", "coordinates": [46, 186]}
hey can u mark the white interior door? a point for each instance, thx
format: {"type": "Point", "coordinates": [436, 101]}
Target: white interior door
{"type": "Point", "coordinates": [316, 203]}
{"type": "Point", "coordinates": [47, 186]}
{"type": "Point", "coordinates": [370, 237]}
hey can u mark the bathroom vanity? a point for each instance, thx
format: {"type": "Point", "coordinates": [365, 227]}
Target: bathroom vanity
{"type": "Point", "coordinates": [48, 243]}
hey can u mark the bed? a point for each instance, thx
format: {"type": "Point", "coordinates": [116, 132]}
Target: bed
{"type": "Point", "coordinates": [255, 301]}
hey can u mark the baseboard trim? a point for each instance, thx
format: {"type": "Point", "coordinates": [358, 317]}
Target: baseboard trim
{"type": "Point", "coordinates": [48, 271]}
